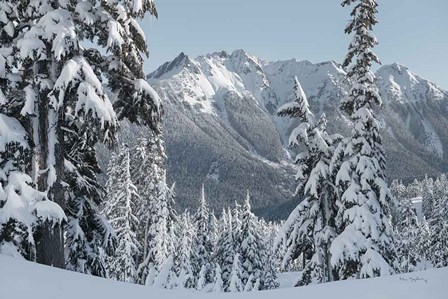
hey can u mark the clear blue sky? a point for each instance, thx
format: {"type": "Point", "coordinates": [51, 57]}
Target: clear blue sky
{"type": "Point", "coordinates": [411, 32]}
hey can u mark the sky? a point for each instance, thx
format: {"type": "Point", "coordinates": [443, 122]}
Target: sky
{"type": "Point", "coordinates": [410, 32]}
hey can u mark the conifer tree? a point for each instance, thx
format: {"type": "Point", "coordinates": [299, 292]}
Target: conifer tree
{"type": "Point", "coordinates": [439, 230]}
{"type": "Point", "coordinates": [186, 274]}
{"type": "Point", "coordinates": [217, 282]}
{"type": "Point", "coordinates": [427, 197]}
{"type": "Point", "coordinates": [153, 207]}
{"type": "Point", "coordinates": [225, 253]}
{"type": "Point", "coordinates": [166, 277]}
{"type": "Point", "coordinates": [236, 284]}
{"type": "Point", "coordinates": [365, 246]}
{"type": "Point", "coordinates": [252, 262]}
{"type": "Point", "coordinates": [311, 226]}
{"type": "Point", "coordinates": [407, 233]}
{"type": "Point", "coordinates": [202, 245]}
{"type": "Point", "coordinates": [120, 210]}
{"type": "Point", "coordinates": [55, 88]}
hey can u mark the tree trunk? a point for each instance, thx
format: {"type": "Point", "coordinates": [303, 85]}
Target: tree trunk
{"type": "Point", "coordinates": [50, 241]}
{"type": "Point", "coordinates": [50, 249]}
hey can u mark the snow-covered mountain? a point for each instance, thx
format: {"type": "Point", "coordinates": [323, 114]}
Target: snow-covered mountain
{"type": "Point", "coordinates": [221, 128]}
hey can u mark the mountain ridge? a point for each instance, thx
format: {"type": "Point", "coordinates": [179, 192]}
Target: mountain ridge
{"type": "Point", "coordinates": [222, 130]}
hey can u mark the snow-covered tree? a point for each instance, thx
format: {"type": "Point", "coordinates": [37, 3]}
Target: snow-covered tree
{"type": "Point", "coordinates": [166, 278]}
{"type": "Point", "coordinates": [153, 207]}
{"type": "Point", "coordinates": [407, 234]}
{"type": "Point", "coordinates": [120, 209]}
{"type": "Point", "coordinates": [54, 87]}
{"type": "Point", "coordinates": [311, 226]}
{"type": "Point", "coordinates": [218, 286]}
{"type": "Point", "coordinates": [427, 197]}
{"type": "Point", "coordinates": [185, 268]}
{"type": "Point", "coordinates": [365, 246]}
{"type": "Point", "coordinates": [236, 284]}
{"type": "Point", "coordinates": [252, 246]}
{"type": "Point", "coordinates": [202, 246]}
{"type": "Point", "coordinates": [225, 250]}
{"type": "Point", "coordinates": [439, 231]}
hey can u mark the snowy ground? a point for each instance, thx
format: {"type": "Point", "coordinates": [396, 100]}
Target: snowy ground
{"type": "Point", "coordinates": [24, 280]}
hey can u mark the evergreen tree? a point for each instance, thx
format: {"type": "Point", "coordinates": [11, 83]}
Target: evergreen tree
{"type": "Point", "coordinates": [120, 210]}
{"type": "Point", "coordinates": [424, 244]}
{"type": "Point", "coordinates": [407, 233]}
{"type": "Point", "coordinates": [217, 282]}
{"type": "Point", "coordinates": [236, 284]}
{"type": "Point", "coordinates": [311, 226]}
{"type": "Point", "coordinates": [166, 277]}
{"type": "Point", "coordinates": [202, 245]}
{"type": "Point", "coordinates": [186, 274]}
{"type": "Point", "coordinates": [254, 254]}
{"type": "Point", "coordinates": [54, 87]}
{"type": "Point", "coordinates": [225, 253]}
{"type": "Point", "coordinates": [365, 246]}
{"type": "Point", "coordinates": [398, 191]}
{"type": "Point", "coordinates": [439, 231]}
{"type": "Point", "coordinates": [427, 197]}
{"type": "Point", "coordinates": [153, 207]}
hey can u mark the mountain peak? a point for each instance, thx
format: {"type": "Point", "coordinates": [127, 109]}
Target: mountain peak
{"type": "Point", "coordinates": [172, 67]}
{"type": "Point", "coordinates": [400, 85]}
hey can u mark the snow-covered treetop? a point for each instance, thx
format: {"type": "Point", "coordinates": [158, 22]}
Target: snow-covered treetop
{"type": "Point", "coordinates": [300, 108]}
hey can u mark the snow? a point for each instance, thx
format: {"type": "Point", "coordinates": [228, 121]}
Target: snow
{"type": "Point", "coordinates": [11, 131]}
{"type": "Point", "coordinates": [50, 211]}
{"type": "Point", "coordinates": [433, 141]}
{"type": "Point", "coordinates": [23, 280]}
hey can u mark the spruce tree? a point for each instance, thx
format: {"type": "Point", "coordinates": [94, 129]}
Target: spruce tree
{"type": "Point", "coordinates": [120, 209]}
{"type": "Point", "coordinates": [407, 234]}
{"type": "Point", "coordinates": [225, 253]}
{"type": "Point", "coordinates": [311, 226]}
{"type": "Point", "coordinates": [427, 197]}
{"type": "Point", "coordinates": [184, 250]}
{"type": "Point", "coordinates": [202, 245]}
{"type": "Point", "coordinates": [236, 284]}
{"type": "Point", "coordinates": [55, 88]}
{"type": "Point", "coordinates": [439, 230]}
{"type": "Point", "coordinates": [153, 208]}
{"type": "Point", "coordinates": [365, 246]}
{"type": "Point", "coordinates": [217, 281]}
{"type": "Point", "coordinates": [251, 251]}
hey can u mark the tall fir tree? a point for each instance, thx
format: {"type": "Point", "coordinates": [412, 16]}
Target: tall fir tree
{"type": "Point", "coordinates": [153, 211]}
{"type": "Point", "coordinates": [254, 252]}
{"type": "Point", "coordinates": [202, 246]}
{"type": "Point", "coordinates": [57, 95]}
{"type": "Point", "coordinates": [407, 237]}
{"type": "Point", "coordinates": [311, 226]}
{"type": "Point", "coordinates": [364, 246]}
{"type": "Point", "coordinates": [439, 228]}
{"type": "Point", "coordinates": [427, 197]}
{"type": "Point", "coordinates": [225, 253]}
{"type": "Point", "coordinates": [184, 251]}
{"type": "Point", "coordinates": [120, 209]}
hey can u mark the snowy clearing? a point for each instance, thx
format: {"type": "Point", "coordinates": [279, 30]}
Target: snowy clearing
{"type": "Point", "coordinates": [23, 280]}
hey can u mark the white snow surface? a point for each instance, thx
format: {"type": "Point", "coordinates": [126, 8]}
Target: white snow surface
{"type": "Point", "coordinates": [23, 280]}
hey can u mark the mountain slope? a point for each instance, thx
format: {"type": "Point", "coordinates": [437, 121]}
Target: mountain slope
{"type": "Point", "coordinates": [221, 128]}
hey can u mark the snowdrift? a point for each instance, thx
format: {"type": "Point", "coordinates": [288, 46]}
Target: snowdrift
{"type": "Point", "coordinates": [23, 280]}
